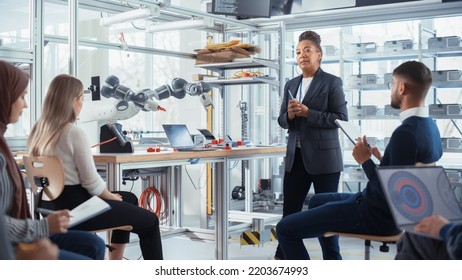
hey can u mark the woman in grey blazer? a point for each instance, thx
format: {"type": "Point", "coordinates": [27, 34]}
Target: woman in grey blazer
{"type": "Point", "coordinates": [311, 103]}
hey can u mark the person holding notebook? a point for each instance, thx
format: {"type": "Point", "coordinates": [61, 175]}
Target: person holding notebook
{"type": "Point", "coordinates": [416, 140]}
{"type": "Point", "coordinates": [56, 133]}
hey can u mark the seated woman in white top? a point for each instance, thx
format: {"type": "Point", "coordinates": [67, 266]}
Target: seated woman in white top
{"type": "Point", "coordinates": [56, 133]}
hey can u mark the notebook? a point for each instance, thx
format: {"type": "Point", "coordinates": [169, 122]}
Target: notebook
{"type": "Point", "coordinates": [85, 211]}
{"type": "Point", "coordinates": [350, 130]}
{"type": "Point", "coordinates": [414, 193]}
{"type": "Point", "coordinates": [179, 137]}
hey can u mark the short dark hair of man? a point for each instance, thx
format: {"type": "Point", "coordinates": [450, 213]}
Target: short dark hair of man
{"type": "Point", "coordinates": [415, 71]}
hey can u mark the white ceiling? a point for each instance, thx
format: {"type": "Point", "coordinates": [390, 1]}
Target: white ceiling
{"type": "Point", "coordinates": [56, 11]}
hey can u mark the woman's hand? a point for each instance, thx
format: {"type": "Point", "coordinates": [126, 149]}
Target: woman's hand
{"type": "Point", "coordinates": [110, 196]}
{"type": "Point", "coordinates": [116, 196]}
{"type": "Point", "coordinates": [292, 108]}
{"type": "Point", "coordinates": [296, 109]}
{"type": "Point", "coordinates": [58, 222]}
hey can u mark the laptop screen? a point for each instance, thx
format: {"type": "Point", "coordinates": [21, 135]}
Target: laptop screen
{"type": "Point", "coordinates": [414, 193]}
{"type": "Point", "coordinates": [178, 135]}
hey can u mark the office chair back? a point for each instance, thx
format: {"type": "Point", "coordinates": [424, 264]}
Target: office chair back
{"type": "Point", "coordinates": [46, 175]}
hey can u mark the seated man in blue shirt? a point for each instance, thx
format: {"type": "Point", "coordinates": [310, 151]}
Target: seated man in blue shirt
{"type": "Point", "coordinates": [416, 140]}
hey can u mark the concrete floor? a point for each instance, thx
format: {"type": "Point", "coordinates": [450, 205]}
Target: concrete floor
{"type": "Point", "coordinates": [182, 248]}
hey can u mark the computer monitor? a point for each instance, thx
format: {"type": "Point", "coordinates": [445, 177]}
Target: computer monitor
{"type": "Point", "coordinates": [242, 8]}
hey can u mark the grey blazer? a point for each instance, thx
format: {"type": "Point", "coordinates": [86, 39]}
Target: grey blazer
{"type": "Point", "coordinates": [319, 137]}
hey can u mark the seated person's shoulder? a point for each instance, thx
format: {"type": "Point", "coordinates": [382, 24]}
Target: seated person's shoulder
{"type": "Point", "coordinates": [74, 131]}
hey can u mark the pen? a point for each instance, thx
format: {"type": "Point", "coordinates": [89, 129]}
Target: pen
{"type": "Point", "coordinates": [44, 211]}
{"type": "Point", "coordinates": [290, 94]}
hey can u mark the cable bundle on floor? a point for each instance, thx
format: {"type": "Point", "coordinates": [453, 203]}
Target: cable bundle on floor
{"type": "Point", "coordinates": [150, 195]}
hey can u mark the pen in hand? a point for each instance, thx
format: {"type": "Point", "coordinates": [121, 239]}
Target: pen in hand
{"type": "Point", "coordinates": [290, 94]}
{"type": "Point", "coordinates": [46, 212]}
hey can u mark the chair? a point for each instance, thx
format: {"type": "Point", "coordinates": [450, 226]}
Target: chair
{"type": "Point", "coordinates": [46, 177]}
{"type": "Point", "coordinates": [386, 240]}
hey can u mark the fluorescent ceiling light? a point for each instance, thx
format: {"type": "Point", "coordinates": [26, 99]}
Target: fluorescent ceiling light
{"type": "Point", "coordinates": [142, 13]}
{"type": "Point", "coordinates": [184, 24]}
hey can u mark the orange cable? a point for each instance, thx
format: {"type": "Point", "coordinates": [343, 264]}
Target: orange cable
{"type": "Point", "coordinates": [104, 142]}
{"type": "Point", "coordinates": [147, 196]}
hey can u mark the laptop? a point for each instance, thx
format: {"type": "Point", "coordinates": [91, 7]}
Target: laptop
{"type": "Point", "coordinates": [179, 137]}
{"type": "Point", "coordinates": [207, 134]}
{"type": "Point", "coordinates": [351, 131]}
{"type": "Point", "coordinates": [416, 192]}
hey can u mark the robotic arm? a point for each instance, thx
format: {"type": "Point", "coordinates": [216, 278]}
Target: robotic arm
{"type": "Point", "coordinates": [113, 89]}
{"type": "Point", "coordinates": [144, 98]}
{"type": "Point", "coordinates": [180, 87]}
{"type": "Point", "coordinates": [122, 103]}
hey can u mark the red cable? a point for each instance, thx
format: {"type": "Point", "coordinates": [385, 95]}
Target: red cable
{"type": "Point", "coordinates": [104, 142]}
{"type": "Point", "coordinates": [147, 196]}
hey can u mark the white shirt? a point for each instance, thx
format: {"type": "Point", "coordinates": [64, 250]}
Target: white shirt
{"type": "Point", "coordinates": [417, 111]}
{"type": "Point", "coordinates": [79, 167]}
{"type": "Point", "coordinates": [306, 82]}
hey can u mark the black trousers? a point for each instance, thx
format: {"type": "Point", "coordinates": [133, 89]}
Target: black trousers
{"type": "Point", "coordinates": [126, 212]}
{"type": "Point", "coordinates": [297, 184]}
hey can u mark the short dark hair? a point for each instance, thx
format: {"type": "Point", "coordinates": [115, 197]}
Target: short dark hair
{"type": "Point", "coordinates": [415, 71]}
{"type": "Point", "coordinates": [311, 36]}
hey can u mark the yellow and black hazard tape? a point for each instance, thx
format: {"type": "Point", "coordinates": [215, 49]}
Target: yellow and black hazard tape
{"type": "Point", "coordinates": [257, 237]}
{"type": "Point", "coordinates": [250, 238]}
{"type": "Point", "coordinates": [273, 235]}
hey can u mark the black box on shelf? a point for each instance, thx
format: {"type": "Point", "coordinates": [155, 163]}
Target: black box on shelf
{"type": "Point", "coordinates": [390, 111]}
{"type": "Point", "coordinates": [445, 109]}
{"type": "Point", "coordinates": [444, 42]}
{"type": "Point", "coordinates": [398, 45]}
{"type": "Point", "coordinates": [362, 111]}
{"type": "Point", "coordinates": [446, 75]}
{"type": "Point", "coordinates": [452, 144]}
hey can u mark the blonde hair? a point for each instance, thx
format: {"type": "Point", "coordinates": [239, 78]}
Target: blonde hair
{"type": "Point", "coordinates": [57, 113]}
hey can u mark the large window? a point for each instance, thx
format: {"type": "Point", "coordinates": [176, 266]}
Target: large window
{"type": "Point", "coordinates": [16, 47]}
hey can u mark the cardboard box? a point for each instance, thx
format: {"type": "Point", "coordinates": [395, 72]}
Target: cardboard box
{"type": "Point", "coordinates": [225, 55]}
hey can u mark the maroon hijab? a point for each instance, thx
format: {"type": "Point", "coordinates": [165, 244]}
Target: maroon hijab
{"type": "Point", "coordinates": [13, 82]}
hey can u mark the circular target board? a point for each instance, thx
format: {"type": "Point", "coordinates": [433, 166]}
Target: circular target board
{"type": "Point", "coordinates": [410, 196]}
